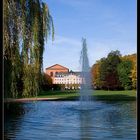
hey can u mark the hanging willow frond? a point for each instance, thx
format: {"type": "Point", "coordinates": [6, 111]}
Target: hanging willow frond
{"type": "Point", "coordinates": [27, 23]}
{"type": "Point", "coordinates": [48, 26]}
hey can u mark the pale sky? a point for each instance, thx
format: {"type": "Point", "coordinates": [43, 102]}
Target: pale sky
{"type": "Point", "coordinates": [106, 24]}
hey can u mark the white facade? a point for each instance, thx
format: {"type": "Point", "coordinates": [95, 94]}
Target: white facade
{"type": "Point", "coordinates": [67, 79]}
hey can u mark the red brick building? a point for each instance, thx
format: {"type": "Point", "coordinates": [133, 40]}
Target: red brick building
{"type": "Point", "coordinates": [62, 76]}
{"type": "Point", "coordinates": [54, 69]}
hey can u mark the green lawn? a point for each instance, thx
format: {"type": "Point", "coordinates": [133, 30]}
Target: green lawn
{"type": "Point", "coordinates": [97, 95]}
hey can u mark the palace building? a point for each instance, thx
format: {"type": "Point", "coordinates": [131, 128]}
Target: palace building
{"type": "Point", "coordinates": [62, 76]}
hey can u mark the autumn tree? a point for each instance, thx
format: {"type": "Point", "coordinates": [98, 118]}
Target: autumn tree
{"type": "Point", "coordinates": [95, 75]}
{"type": "Point", "coordinates": [134, 70]}
{"type": "Point", "coordinates": [134, 76]}
{"type": "Point", "coordinates": [124, 72]}
{"type": "Point", "coordinates": [108, 70]}
{"type": "Point", "coordinates": [47, 83]}
{"type": "Point", "coordinates": [115, 72]}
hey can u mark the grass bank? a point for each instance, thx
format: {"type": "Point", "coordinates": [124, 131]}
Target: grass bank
{"type": "Point", "coordinates": [127, 95]}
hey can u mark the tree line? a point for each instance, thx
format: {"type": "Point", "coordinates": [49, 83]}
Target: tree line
{"type": "Point", "coordinates": [27, 24]}
{"type": "Point", "coordinates": [115, 72]}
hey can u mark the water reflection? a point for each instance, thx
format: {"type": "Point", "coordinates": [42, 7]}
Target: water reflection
{"type": "Point", "coordinates": [64, 121]}
{"type": "Point", "coordinates": [86, 125]}
{"type": "Point", "coordinates": [12, 113]}
{"type": "Point", "coordinates": [120, 120]}
{"type": "Point", "coordinates": [116, 121]}
{"type": "Point", "coordinates": [13, 118]}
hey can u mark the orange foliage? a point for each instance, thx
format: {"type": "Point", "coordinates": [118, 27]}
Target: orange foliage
{"type": "Point", "coordinates": [95, 74]}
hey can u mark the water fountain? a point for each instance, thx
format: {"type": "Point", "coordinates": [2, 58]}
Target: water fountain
{"type": "Point", "coordinates": [85, 91]}
{"type": "Point", "coordinates": [64, 120]}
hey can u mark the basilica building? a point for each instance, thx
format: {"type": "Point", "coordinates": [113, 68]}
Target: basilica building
{"type": "Point", "coordinates": [62, 76]}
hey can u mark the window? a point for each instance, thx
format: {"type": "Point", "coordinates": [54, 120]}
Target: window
{"type": "Point", "coordinates": [51, 73]}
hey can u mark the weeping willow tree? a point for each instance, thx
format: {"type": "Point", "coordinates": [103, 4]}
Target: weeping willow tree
{"type": "Point", "coordinates": [11, 49]}
{"type": "Point", "coordinates": [27, 24]}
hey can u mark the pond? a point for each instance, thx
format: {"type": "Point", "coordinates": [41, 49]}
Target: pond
{"type": "Point", "coordinates": [64, 120]}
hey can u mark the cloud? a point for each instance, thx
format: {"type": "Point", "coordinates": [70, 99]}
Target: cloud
{"type": "Point", "coordinates": [61, 40]}
{"type": "Point", "coordinates": [66, 50]}
{"type": "Point", "coordinates": [98, 49]}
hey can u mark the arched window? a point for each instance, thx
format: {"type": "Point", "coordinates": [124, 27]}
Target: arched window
{"type": "Point", "coordinates": [51, 73]}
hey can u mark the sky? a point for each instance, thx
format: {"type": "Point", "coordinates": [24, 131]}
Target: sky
{"type": "Point", "coordinates": [107, 25]}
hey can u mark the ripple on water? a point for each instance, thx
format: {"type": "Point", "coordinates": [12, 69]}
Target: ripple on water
{"type": "Point", "coordinates": [68, 120]}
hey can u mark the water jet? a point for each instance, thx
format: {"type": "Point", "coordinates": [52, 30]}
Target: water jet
{"type": "Point", "coordinates": [85, 91]}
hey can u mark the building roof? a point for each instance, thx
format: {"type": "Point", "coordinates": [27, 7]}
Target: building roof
{"type": "Point", "coordinates": [67, 73]}
{"type": "Point", "coordinates": [54, 67]}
